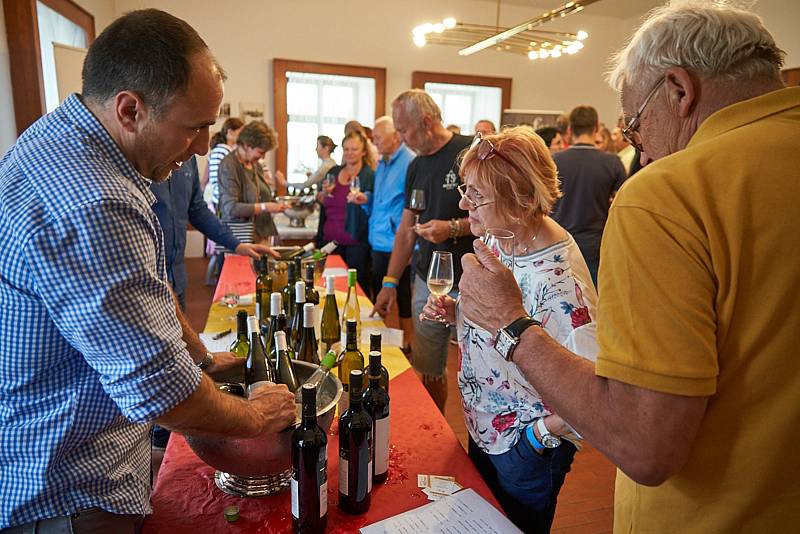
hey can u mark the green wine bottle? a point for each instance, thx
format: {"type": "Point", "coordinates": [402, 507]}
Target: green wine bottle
{"type": "Point", "coordinates": [288, 291]}
{"type": "Point", "coordinates": [296, 328]}
{"type": "Point", "coordinates": [351, 310]}
{"type": "Point", "coordinates": [350, 359]}
{"type": "Point", "coordinates": [307, 349]}
{"type": "Point", "coordinates": [241, 345]}
{"type": "Point", "coordinates": [312, 295]}
{"type": "Point", "coordinates": [256, 369]}
{"type": "Point", "coordinates": [285, 372]}
{"type": "Point", "coordinates": [331, 331]}
{"type": "Point", "coordinates": [275, 308]}
{"type": "Point", "coordinates": [263, 290]}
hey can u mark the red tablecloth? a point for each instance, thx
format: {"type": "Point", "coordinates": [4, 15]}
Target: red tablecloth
{"type": "Point", "coordinates": [185, 498]}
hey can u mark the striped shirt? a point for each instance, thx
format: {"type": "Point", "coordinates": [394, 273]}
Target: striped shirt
{"type": "Point", "coordinates": [215, 157]}
{"type": "Point", "coordinates": [90, 347]}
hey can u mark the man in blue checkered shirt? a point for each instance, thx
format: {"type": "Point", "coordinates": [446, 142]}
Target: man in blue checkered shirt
{"type": "Point", "coordinates": [90, 345]}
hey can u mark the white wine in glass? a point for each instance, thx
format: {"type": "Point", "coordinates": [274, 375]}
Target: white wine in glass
{"type": "Point", "coordinates": [355, 185]}
{"type": "Point", "coordinates": [440, 275]}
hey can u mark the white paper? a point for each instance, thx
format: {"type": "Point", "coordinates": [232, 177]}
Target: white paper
{"type": "Point", "coordinates": [466, 512]}
{"type": "Point", "coordinates": [390, 337]}
{"type": "Point", "coordinates": [295, 499]}
{"type": "Point", "coordinates": [334, 271]}
{"type": "Point", "coordinates": [217, 345]}
{"type": "Point", "coordinates": [381, 444]}
{"type": "Point", "coordinates": [343, 464]}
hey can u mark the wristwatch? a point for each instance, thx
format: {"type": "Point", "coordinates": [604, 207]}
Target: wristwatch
{"type": "Point", "coordinates": [206, 362]}
{"type": "Point", "coordinates": [508, 338]}
{"type": "Point", "coordinates": [551, 441]}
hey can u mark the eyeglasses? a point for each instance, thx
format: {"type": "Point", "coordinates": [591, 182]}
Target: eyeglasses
{"type": "Point", "coordinates": [462, 189]}
{"type": "Point", "coordinates": [631, 131]}
{"type": "Point", "coordinates": [486, 150]}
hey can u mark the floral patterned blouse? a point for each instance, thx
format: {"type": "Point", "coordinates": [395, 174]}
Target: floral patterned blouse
{"type": "Point", "coordinates": [557, 291]}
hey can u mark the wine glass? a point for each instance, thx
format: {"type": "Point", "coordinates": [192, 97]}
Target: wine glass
{"type": "Point", "coordinates": [501, 243]}
{"type": "Point", "coordinates": [230, 295]}
{"type": "Point", "coordinates": [330, 183]}
{"type": "Point", "coordinates": [440, 275]}
{"type": "Point", "coordinates": [355, 185]}
{"type": "Point", "coordinates": [416, 203]}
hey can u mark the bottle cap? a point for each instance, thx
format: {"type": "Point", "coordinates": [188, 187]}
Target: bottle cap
{"type": "Point", "coordinates": [330, 280]}
{"type": "Point", "coordinates": [329, 360]}
{"type": "Point", "coordinates": [252, 325]}
{"type": "Point", "coordinates": [375, 364]}
{"type": "Point", "coordinates": [280, 340]}
{"type": "Point", "coordinates": [351, 277]}
{"type": "Point", "coordinates": [231, 513]}
{"type": "Point", "coordinates": [275, 303]}
{"type": "Point", "coordinates": [356, 380]}
{"type": "Point", "coordinates": [309, 315]}
{"type": "Point", "coordinates": [352, 325]}
{"type": "Point", "coordinates": [300, 292]}
{"type": "Point", "coordinates": [375, 340]}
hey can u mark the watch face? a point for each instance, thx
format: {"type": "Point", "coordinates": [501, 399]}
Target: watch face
{"type": "Point", "coordinates": [550, 441]}
{"type": "Point", "coordinates": [504, 343]}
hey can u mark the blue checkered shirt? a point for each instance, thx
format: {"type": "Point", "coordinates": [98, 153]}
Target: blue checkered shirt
{"type": "Point", "coordinates": [90, 347]}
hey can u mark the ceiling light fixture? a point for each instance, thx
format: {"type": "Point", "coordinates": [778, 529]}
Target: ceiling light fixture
{"type": "Point", "coordinates": [524, 38]}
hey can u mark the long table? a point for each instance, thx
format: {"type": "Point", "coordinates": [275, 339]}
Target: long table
{"type": "Point", "coordinates": [185, 498]}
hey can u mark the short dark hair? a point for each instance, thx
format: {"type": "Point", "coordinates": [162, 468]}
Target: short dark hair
{"type": "Point", "coordinates": [547, 133]}
{"type": "Point", "coordinates": [327, 142]}
{"type": "Point", "coordinates": [147, 52]}
{"type": "Point", "coordinates": [583, 120]}
{"type": "Point", "coordinates": [257, 134]}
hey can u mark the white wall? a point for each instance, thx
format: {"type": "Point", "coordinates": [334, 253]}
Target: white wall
{"type": "Point", "coordinates": [246, 35]}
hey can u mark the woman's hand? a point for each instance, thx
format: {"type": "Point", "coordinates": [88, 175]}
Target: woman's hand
{"type": "Point", "coordinates": [273, 207]}
{"type": "Point", "coordinates": [357, 198]}
{"type": "Point", "coordinates": [439, 309]}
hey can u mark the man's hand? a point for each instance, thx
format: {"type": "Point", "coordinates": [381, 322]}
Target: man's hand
{"type": "Point", "coordinates": [435, 231]}
{"type": "Point", "coordinates": [255, 250]}
{"type": "Point", "coordinates": [384, 302]}
{"type": "Point", "coordinates": [490, 296]}
{"type": "Point", "coordinates": [224, 362]}
{"type": "Point", "coordinates": [276, 405]}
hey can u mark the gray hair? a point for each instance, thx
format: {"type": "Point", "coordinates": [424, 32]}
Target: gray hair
{"type": "Point", "coordinates": [417, 104]}
{"type": "Point", "coordinates": [713, 39]}
{"type": "Point", "coordinates": [385, 122]}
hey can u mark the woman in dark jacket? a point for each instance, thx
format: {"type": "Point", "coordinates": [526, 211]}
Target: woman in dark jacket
{"type": "Point", "coordinates": [343, 216]}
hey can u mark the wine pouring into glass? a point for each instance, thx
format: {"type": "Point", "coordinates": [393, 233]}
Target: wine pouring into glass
{"type": "Point", "coordinates": [440, 275]}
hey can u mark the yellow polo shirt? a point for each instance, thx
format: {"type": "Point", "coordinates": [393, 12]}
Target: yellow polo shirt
{"type": "Point", "coordinates": [700, 296]}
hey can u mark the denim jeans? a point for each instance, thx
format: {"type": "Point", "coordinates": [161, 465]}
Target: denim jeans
{"type": "Point", "coordinates": [525, 482]}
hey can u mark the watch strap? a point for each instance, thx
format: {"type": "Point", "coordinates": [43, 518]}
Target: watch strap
{"type": "Point", "coordinates": [517, 327]}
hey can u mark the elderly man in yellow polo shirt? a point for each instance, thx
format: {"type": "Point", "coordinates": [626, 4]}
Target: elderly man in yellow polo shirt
{"type": "Point", "coordinates": [696, 391]}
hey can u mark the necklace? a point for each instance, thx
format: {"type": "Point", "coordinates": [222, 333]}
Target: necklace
{"type": "Point", "coordinates": [533, 239]}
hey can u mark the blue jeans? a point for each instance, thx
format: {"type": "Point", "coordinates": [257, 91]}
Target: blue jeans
{"type": "Point", "coordinates": [525, 482]}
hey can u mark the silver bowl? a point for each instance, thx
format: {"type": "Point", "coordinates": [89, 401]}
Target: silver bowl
{"type": "Point", "coordinates": [261, 466]}
{"type": "Point", "coordinates": [299, 209]}
{"type": "Point", "coordinates": [277, 268]}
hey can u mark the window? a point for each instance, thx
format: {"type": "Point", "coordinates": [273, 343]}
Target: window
{"type": "Point", "coordinates": [466, 99]}
{"type": "Point", "coordinates": [464, 105]}
{"type": "Point", "coordinates": [321, 104]}
{"type": "Point", "coordinates": [55, 28]}
{"type": "Point", "coordinates": [23, 28]}
{"type": "Point", "coordinates": [313, 99]}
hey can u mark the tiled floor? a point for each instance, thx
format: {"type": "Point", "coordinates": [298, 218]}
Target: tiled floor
{"type": "Point", "coordinates": [585, 505]}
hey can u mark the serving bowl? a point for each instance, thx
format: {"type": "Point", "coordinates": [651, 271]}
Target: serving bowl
{"type": "Point", "coordinates": [277, 268]}
{"type": "Point", "coordinates": [299, 209]}
{"type": "Point", "coordinates": [253, 467]}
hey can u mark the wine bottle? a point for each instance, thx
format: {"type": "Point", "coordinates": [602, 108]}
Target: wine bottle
{"type": "Point", "coordinates": [351, 310]}
{"type": "Point", "coordinates": [256, 369]}
{"type": "Point", "coordinates": [240, 345]}
{"type": "Point", "coordinates": [275, 308]}
{"type": "Point", "coordinates": [288, 291]}
{"type": "Point", "coordinates": [326, 250]}
{"type": "Point", "coordinates": [284, 371]}
{"type": "Point", "coordinates": [375, 346]}
{"type": "Point", "coordinates": [320, 374]}
{"type": "Point", "coordinates": [376, 403]}
{"type": "Point", "coordinates": [309, 481]}
{"type": "Point", "coordinates": [307, 248]}
{"type": "Point", "coordinates": [296, 328]}
{"type": "Point", "coordinates": [307, 348]}
{"type": "Point", "coordinates": [263, 289]}
{"type": "Point", "coordinates": [331, 331]}
{"type": "Point", "coordinates": [350, 359]}
{"type": "Point", "coordinates": [312, 295]}
{"type": "Point", "coordinates": [355, 452]}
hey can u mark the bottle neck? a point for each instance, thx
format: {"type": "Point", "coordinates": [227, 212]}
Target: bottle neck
{"type": "Point", "coordinates": [309, 414]}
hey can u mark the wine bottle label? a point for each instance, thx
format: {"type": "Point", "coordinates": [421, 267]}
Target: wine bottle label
{"type": "Point", "coordinates": [381, 445]}
{"type": "Point", "coordinates": [295, 499]}
{"type": "Point", "coordinates": [323, 499]}
{"type": "Point", "coordinates": [343, 489]}
{"type": "Point", "coordinates": [369, 477]}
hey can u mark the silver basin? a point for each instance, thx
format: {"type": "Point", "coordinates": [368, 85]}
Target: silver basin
{"type": "Point", "coordinates": [299, 209]}
{"type": "Point", "coordinates": [277, 268]}
{"type": "Point", "coordinates": [265, 455]}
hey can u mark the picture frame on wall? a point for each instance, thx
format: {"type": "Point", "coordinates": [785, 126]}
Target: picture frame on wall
{"type": "Point", "coordinates": [535, 118]}
{"type": "Point", "coordinates": [251, 111]}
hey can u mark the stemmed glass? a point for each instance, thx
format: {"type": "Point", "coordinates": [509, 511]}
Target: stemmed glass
{"type": "Point", "coordinates": [355, 185]}
{"type": "Point", "coordinates": [416, 203]}
{"type": "Point", "coordinates": [330, 183]}
{"type": "Point", "coordinates": [501, 243]}
{"type": "Point", "coordinates": [440, 275]}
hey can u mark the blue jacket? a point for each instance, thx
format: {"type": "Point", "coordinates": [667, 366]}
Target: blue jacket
{"type": "Point", "coordinates": [388, 200]}
{"type": "Point", "coordinates": [180, 202]}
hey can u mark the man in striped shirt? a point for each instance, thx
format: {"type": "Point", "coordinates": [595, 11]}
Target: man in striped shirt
{"type": "Point", "coordinates": [90, 345]}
